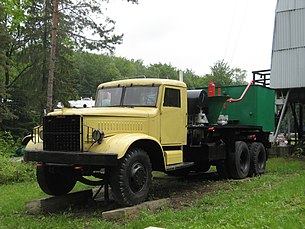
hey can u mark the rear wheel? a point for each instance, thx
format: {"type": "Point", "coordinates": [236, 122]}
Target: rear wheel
{"type": "Point", "coordinates": [130, 181]}
{"type": "Point", "coordinates": [239, 161]}
{"type": "Point", "coordinates": [55, 180]}
{"type": "Point", "coordinates": [258, 159]}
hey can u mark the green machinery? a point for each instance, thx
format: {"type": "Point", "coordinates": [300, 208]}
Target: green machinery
{"type": "Point", "coordinates": [256, 108]}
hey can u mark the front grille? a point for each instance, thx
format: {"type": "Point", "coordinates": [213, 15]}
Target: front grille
{"type": "Point", "coordinates": [61, 133]}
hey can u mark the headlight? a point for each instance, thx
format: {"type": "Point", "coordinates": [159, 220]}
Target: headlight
{"type": "Point", "coordinates": [41, 134]}
{"type": "Point", "coordinates": [98, 135]}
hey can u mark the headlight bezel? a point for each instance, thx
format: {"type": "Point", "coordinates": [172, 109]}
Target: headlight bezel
{"type": "Point", "coordinates": [40, 133]}
{"type": "Point", "coordinates": [98, 135]}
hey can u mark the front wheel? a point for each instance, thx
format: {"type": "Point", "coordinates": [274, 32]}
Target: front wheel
{"type": "Point", "coordinates": [130, 181]}
{"type": "Point", "coordinates": [55, 180]}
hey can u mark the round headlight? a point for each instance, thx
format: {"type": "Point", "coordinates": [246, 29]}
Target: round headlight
{"type": "Point", "coordinates": [41, 134]}
{"type": "Point", "coordinates": [98, 135]}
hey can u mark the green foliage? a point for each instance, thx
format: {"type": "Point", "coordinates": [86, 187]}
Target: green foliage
{"type": "Point", "coordinates": [13, 171]}
{"type": "Point", "coordinates": [239, 76]}
{"type": "Point", "coordinates": [299, 151]}
{"type": "Point", "coordinates": [223, 75]}
{"type": "Point", "coordinates": [8, 146]}
{"type": "Point", "coordinates": [5, 113]}
{"type": "Point", "coordinates": [24, 58]}
{"type": "Point", "coordinates": [159, 70]}
{"type": "Point", "coordinates": [26, 118]}
{"type": "Point", "coordinates": [93, 69]}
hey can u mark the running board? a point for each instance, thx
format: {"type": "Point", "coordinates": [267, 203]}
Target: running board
{"type": "Point", "coordinates": [178, 166]}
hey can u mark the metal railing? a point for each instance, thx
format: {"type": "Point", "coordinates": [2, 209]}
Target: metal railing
{"type": "Point", "coordinates": [262, 77]}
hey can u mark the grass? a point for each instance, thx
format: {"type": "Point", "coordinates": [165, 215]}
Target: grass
{"type": "Point", "coordinates": [274, 200]}
{"type": "Point", "coordinates": [13, 171]}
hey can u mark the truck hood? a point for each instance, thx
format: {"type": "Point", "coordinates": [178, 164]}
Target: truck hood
{"type": "Point", "coordinates": [108, 111]}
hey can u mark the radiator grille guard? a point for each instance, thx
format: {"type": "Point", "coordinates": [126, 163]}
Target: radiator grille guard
{"type": "Point", "coordinates": [62, 133]}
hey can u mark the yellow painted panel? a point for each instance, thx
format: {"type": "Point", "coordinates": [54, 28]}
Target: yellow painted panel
{"type": "Point", "coordinates": [119, 143]}
{"type": "Point", "coordinates": [31, 146]}
{"type": "Point", "coordinates": [173, 157]}
{"type": "Point", "coordinates": [173, 124]}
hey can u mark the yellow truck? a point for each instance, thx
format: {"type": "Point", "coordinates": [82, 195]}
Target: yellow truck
{"type": "Point", "coordinates": [138, 126]}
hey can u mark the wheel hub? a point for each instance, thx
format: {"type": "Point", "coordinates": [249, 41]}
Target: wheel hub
{"type": "Point", "coordinates": [243, 162]}
{"type": "Point", "coordinates": [261, 161]}
{"type": "Point", "coordinates": [138, 177]}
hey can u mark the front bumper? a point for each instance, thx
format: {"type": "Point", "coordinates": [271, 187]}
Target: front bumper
{"type": "Point", "coordinates": [73, 158]}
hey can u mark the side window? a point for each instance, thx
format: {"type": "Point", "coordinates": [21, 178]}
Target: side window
{"type": "Point", "coordinates": [172, 98]}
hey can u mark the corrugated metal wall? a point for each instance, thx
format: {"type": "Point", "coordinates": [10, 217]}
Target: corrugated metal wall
{"type": "Point", "coordinates": [288, 52]}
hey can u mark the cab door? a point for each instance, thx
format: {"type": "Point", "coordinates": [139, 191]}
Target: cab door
{"type": "Point", "coordinates": [173, 116]}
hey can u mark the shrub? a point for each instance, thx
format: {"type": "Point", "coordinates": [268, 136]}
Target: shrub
{"type": "Point", "coordinates": [13, 169]}
{"type": "Point", "coordinates": [299, 151]}
{"type": "Point", "coordinates": [8, 145]}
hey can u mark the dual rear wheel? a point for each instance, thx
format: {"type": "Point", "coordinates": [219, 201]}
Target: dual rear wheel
{"type": "Point", "coordinates": [245, 161]}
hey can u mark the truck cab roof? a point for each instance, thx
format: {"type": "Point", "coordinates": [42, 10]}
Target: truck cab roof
{"type": "Point", "coordinates": [143, 81]}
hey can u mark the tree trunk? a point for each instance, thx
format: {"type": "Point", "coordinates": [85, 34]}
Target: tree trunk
{"type": "Point", "coordinates": [44, 70]}
{"type": "Point", "coordinates": [52, 57]}
{"type": "Point", "coordinates": [45, 49]}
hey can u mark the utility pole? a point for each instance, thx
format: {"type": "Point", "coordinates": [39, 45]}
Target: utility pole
{"type": "Point", "coordinates": [52, 57]}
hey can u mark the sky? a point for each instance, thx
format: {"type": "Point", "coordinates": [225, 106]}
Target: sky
{"type": "Point", "coordinates": [195, 34]}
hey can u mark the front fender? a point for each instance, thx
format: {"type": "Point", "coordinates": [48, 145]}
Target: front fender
{"type": "Point", "coordinates": [119, 143]}
{"type": "Point", "coordinates": [32, 146]}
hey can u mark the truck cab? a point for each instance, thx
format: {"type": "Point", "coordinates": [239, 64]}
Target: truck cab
{"type": "Point", "coordinates": [146, 115]}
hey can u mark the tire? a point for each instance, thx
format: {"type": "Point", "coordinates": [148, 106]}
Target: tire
{"type": "Point", "coordinates": [55, 180]}
{"type": "Point", "coordinates": [258, 159]}
{"type": "Point", "coordinates": [239, 161]}
{"type": "Point", "coordinates": [222, 169]}
{"type": "Point", "coordinates": [130, 181]}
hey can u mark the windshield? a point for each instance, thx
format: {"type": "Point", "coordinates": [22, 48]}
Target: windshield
{"type": "Point", "coordinates": [135, 96]}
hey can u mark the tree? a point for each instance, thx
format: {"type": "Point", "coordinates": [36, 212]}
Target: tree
{"type": "Point", "coordinates": [239, 76]}
{"type": "Point", "coordinates": [191, 79]}
{"type": "Point", "coordinates": [93, 69]}
{"type": "Point", "coordinates": [81, 18]}
{"type": "Point", "coordinates": [52, 57]}
{"type": "Point", "coordinates": [5, 113]}
{"type": "Point", "coordinates": [223, 75]}
{"type": "Point", "coordinates": [13, 19]}
{"type": "Point", "coordinates": [159, 70]}
{"type": "Point", "coordinates": [28, 23]}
